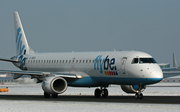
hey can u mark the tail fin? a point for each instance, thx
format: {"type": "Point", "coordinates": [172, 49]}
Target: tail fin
{"type": "Point", "coordinates": [22, 46]}
{"type": "Point", "coordinates": [174, 61]}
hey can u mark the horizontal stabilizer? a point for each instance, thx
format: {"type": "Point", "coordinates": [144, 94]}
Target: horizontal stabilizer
{"type": "Point", "coordinates": [9, 60]}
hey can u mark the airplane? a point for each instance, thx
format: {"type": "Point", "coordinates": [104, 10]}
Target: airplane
{"type": "Point", "coordinates": [172, 71]}
{"type": "Point", "coordinates": [132, 70]}
{"type": "Point", "coordinates": [175, 65]}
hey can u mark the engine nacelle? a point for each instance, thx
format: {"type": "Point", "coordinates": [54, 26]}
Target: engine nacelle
{"type": "Point", "coordinates": [132, 88]}
{"type": "Point", "coordinates": [54, 85]}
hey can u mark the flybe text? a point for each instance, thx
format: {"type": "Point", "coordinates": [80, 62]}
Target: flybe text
{"type": "Point", "coordinates": [107, 64]}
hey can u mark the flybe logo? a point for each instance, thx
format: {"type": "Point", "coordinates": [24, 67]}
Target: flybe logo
{"type": "Point", "coordinates": [19, 43]}
{"type": "Point", "coordinates": [106, 64]}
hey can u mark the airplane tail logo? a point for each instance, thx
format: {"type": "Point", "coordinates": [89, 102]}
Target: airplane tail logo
{"type": "Point", "coordinates": [22, 46]}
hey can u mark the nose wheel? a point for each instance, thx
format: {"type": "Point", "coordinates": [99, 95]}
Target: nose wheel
{"type": "Point", "coordinates": [101, 92]}
{"type": "Point", "coordinates": [139, 96]}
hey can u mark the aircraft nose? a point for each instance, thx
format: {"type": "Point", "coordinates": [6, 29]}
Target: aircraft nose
{"type": "Point", "coordinates": [157, 76]}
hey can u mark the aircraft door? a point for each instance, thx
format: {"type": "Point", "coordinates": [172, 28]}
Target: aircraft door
{"type": "Point", "coordinates": [123, 65]}
{"type": "Point", "coordinates": [72, 63]}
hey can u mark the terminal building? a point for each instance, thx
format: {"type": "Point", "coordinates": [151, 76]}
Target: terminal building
{"type": "Point", "coordinates": [164, 65]}
{"type": "Point", "coordinates": [8, 79]}
{"type": "Point", "coordinates": [175, 74]}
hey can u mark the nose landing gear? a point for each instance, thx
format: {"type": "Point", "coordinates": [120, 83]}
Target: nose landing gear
{"type": "Point", "coordinates": [139, 95]}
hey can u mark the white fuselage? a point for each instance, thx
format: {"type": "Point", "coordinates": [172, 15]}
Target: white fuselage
{"type": "Point", "coordinates": [97, 68]}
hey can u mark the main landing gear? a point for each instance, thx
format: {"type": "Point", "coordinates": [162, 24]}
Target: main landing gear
{"type": "Point", "coordinates": [101, 92]}
{"type": "Point", "coordinates": [47, 95]}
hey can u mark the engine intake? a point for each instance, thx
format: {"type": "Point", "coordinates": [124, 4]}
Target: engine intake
{"type": "Point", "coordinates": [132, 88]}
{"type": "Point", "coordinates": [54, 85]}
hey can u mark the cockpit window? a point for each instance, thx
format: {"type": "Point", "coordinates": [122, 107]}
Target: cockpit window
{"type": "Point", "coordinates": [143, 60]}
{"type": "Point", "coordinates": [135, 60]}
{"type": "Point", "coordinates": [147, 60]}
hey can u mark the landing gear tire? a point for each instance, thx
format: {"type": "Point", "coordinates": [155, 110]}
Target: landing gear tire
{"type": "Point", "coordinates": [54, 95]}
{"type": "Point", "coordinates": [136, 96]}
{"type": "Point", "coordinates": [97, 93]}
{"type": "Point", "coordinates": [139, 96]}
{"type": "Point", "coordinates": [46, 95]}
{"type": "Point", "coordinates": [105, 93]}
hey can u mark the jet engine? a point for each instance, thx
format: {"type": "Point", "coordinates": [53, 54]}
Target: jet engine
{"type": "Point", "coordinates": [54, 85]}
{"type": "Point", "coordinates": [133, 88]}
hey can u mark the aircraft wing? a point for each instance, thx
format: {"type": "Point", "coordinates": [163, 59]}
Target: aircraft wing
{"type": "Point", "coordinates": [36, 74]}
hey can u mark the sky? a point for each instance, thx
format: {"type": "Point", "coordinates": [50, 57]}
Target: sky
{"type": "Point", "coordinates": [151, 26]}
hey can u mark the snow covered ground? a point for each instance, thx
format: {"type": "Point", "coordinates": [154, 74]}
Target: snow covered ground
{"type": "Point", "coordinates": [61, 106]}
{"type": "Point", "coordinates": [35, 89]}
{"type": "Point", "coordinates": [46, 106]}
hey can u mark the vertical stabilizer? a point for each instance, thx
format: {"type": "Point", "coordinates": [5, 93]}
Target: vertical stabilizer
{"type": "Point", "coordinates": [22, 46]}
{"type": "Point", "coordinates": [174, 61]}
